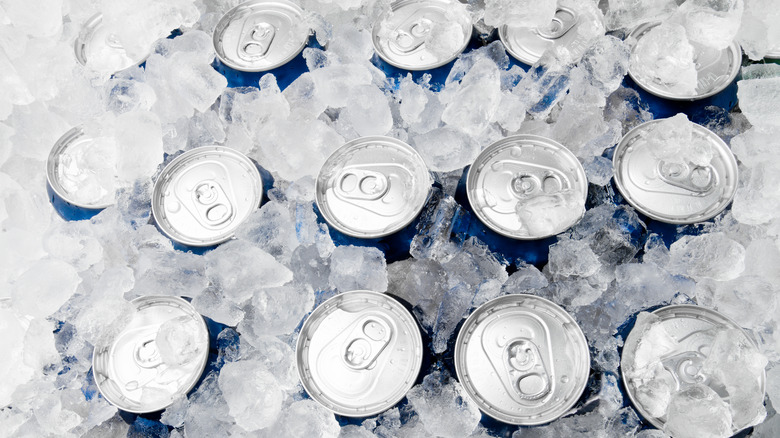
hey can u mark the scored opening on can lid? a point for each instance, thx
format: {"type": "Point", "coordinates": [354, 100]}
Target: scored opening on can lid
{"type": "Point", "coordinates": [157, 357]}
{"type": "Point", "coordinates": [99, 49]}
{"type": "Point", "coordinates": [522, 359]}
{"type": "Point", "coordinates": [527, 187]}
{"type": "Point", "coordinates": [260, 35]}
{"type": "Point", "coordinates": [372, 187]}
{"type": "Point", "coordinates": [204, 194]}
{"type": "Point", "coordinates": [359, 353]}
{"type": "Point", "coordinates": [422, 34]}
{"type": "Point", "coordinates": [690, 327]}
{"type": "Point", "coordinates": [716, 69]}
{"type": "Point", "coordinates": [675, 192]}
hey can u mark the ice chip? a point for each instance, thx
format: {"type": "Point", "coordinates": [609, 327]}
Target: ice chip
{"type": "Point", "coordinates": [712, 255]}
{"type": "Point", "coordinates": [759, 97]}
{"type": "Point", "coordinates": [358, 268]}
{"type": "Point", "coordinates": [443, 407]}
{"type": "Point", "coordinates": [698, 411]}
{"type": "Point", "coordinates": [711, 23]}
{"type": "Point", "coordinates": [445, 149]}
{"type": "Point", "coordinates": [572, 257]}
{"type": "Point", "coordinates": [476, 100]}
{"type": "Point", "coordinates": [524, 13]}
{"type": "Point", "coordinates": [544, 214]}
{"type": "Point", "coordinates": [627, 14]}
{"type": "Point", "coordinates": [664, 57]}
{"type": "Point", "coordinates": [252, 394]}
{"type": "Point", "coordinates": [179, 340]}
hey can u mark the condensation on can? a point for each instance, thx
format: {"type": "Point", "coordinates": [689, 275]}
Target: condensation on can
{"type": "Point", "coordinates": [134, 374]}
{"type": "Point", "coordinates": [527, 187]}
{"type": "Point", "coordinates": [359, 353]}
{"type": "Point", "coordinates": [97, 48]}
{"type": "Point", "coordinates": [204, 194]}
{"type": "Point", "coordinates": [522, 359]}
{"type": "Point", "coordinates": [372, 187]}
{"type": "Point", "coordinates": [691, 326]}
{"type": "Point", "coordinates": [674, 192]}
{"type": "Point", "coordinates": [260, 35]}
{"type": "Point", "coordinates": [401, 34]}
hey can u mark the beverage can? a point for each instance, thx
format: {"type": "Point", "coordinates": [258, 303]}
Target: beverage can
{"type": "Point", "coordinates": [99, 49]}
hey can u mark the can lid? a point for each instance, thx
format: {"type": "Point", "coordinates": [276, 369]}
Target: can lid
{"type": "Point", "coordinates": [100, 50]}
{"type": "Point", "coordinates": [372, 187]}
{"type": "Point", "coordinates": [522, 359]}
{"type": "Point", "coordinates": [716, 69]}
{"type": "Point", "coordinates": [260, 35]}
{"type": "Point", "coordinates": [691, 329]}
{"type": "Point", "coordinates": [157, 357]}
{"type": "Point", "coordinates": [204, 194]}
{"type": "Point", "coordinates": [528, 44]}
{"type": "Point", "coordinates": [422, 34]}
{"type": "Point", "coordinates": [73, 173]}
{"type": "Point", "coordinates": [359, 353]}
{"type": "Point", "coordinates": [676, 192]}
{"type": "Point", "coordinates": [527, 187]}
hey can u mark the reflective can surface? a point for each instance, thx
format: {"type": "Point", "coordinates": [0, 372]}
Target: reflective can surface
{"type": "Point", "coordinates": [100, 50]}
{"type": "Point", "coordinates": [156, 358]}
{"type": "Point", "coordinates": [527, 187]}
{"type": "Point", "coordinates": [674, 191]}
{"type": "Point", "coordinates": [358, 353]}
{"type": "Point", "coordinates": [204, 194]}
{"type": "Point", "coordinates": [372, 187]}
{"type": "Point", "coordinates": [522, 359]}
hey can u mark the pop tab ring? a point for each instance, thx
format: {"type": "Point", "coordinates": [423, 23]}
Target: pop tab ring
{"type": "Point", "coordinates": [358, 353]}
{"type": "Point", "coordinates": [134, 374]}
{"type": "Point", "coordinates": [674, 192]}
{"type": "Point", "coordinates": [372, 187]}
{"type": "Point", "coordinates": [99, 49]}
{"type": "Point", "coordinates": [260, 35]}
{"type": "Point", "coordinates": [203, 195]}
{"type": "Point", "coordinates": [522, 359]}
{"type": "Point", "coordinates": [400, 35]}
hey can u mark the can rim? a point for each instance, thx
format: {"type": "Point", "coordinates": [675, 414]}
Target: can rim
{"type": "Point", "coordinates": [415, 335]}
{"type": "Point", "coordinates": [699, 312]}
{"type": "Point", "coordinates": [734, 48]}
{"type": "Point", "coordinates": [227, 18]}
{"type": "Point", "coordinates": [502, 35]}
{"type": "Point", "coordinates": [618, 157]}
{"type": "Point", "coordinates": [188, 308]}
{"type": "Point", "coordinates": [87, 30]}
{"type": "Point", "coordinates": [477, 313]}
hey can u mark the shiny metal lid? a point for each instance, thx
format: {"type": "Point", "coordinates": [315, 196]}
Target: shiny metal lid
{"type": "Point", "coordinates": [716, 69]}
{"type": "Point", "coordinates": [527, 45]}
{"type": "Point", "coordinates": [358, 353]}
{"type": "Point", "coordinates": [527, 187]}
{"type": "Point", "coordinates": [260, 35]}
{"type": "Point", "coordinates": [157, 357]}
{"type": "Point", "coordinates": [422, 34]}
{"type": "Point", "coordinates": [97, 48]}
{"type": "Point", "coordinates": [72, 175]}
{"type": "Point", "coordinates": [372, 187]}
{"type": "Point", "coordinates": [204, 194]}
{"type": "Point", "coordinates": [522, 359]}
{"type": "Point", "coordinates": [691, 328]}
{"type": "Point", "coordinates": [674, 192]}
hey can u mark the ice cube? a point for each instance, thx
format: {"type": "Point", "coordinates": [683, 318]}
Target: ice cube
{"type": "Point", "coordinates": [475, 100]}
{"type": "Point", "coordinates": [252, 394]}
{"type": "Point", "coordinates": [627, 14]}
{"type": "Point", "coordinates": [276, 310]}
{"type": "Point", "coordinates": [367, 112]}
{"type": "Point", "coordinates": [758, 96]}
{"type": "Point", "coordinates": [39, 295]}
{"type": "Point", "coordinates": [443, 407]}
{"type": "Point", "coordinates": [759, 33]}
{"type": "Point", "coordinates": [712, 255]}
{"type": "Point", "coordinates": [711, 24]}
{"type": "Point", "coordinates": [239, 269]}
{"type": "Point", "coordinates": [526, 13]}
{"type": "Point", "coordinates": [698, 411]}
{"type": "Point", "coordinates": [664, 56]}
{"type": "Point", "coordinates": [358, 268]}
{"type": "Point", "coordinates": [179, 340]}
{"type": "Point", "coordinates": [446, 149]}
{"type": "Point", "coordinates": [306, 418]}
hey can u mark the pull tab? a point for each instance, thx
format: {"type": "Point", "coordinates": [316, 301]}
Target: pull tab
{"type": "Point", "coordinates": [526, 369]}
{"type": "Point", "coordinates": [365, 342]}
{"type": "Point", "coordinates": [411, 34]}
{"type": "Point", "coordinates": [211, 203]}
{"type": "Point", "coordinates": [562, 22]}
{"type": "Point", "coordinates": [113, 41]}
{"type": "Point", "coordinates": [146, 354]}
{"type": "Point", "coordinates": [697, 179]}
{"type": "Point", "coordinates": [256, 39]}
{"type": "Point", "coordinates": [686, 368]}
{"type": "Point", "coordinates": [529, 184]}
{"type": "Point", "coordinates": [362, 184]}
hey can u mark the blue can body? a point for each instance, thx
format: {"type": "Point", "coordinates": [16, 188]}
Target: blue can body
{"type": "Point", "coordinates": [68, 211]}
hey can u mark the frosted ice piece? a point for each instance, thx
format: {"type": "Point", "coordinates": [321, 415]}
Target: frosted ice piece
{"type": "Point", "coordinates": [252, 394]}
{"type": "Point", "coordinates": [759, 97]}
{"type": "Point", "coordinates": [358, 268]}
{"type": "Point", "coordinates": [712, 255]}
{"type": "Point", "coordinates": [712, 23]}
{"type": "Point", "coordinates": [664, 55]}
{"type": "Point", "coordinates": [523, 13]}
{"type": "Point", "coordinates": [445, 149]}
{"type": "Point", "coordinates": [443, 407]}
{"type": "Point", "coordinates": [627, 14]}
{"type": "Point", "coordinates": [696, 412]}
{"type": "Point", "coordinates": [572, 258]}
{"type": "Point", "coordinates": [177, 340]}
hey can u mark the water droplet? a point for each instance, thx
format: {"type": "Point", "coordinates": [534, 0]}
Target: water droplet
{"type": "Point", "coordinates": [564, 379]}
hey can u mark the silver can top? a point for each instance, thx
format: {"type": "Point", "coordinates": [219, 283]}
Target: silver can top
{"type": "Point", "coordinates": [673, 190]}
{"type": "Point", "coordinates": [204, 194]}
{"type": "Point", "coordinates": [715, 69]}
{"type": "Point", "coordinates": [688, 335]}
{"type": "Point", "coordinates": [260, 35]}
{"type": "Point", "coordinates": [528, 44]}
{"type": "Point", "coordinates": [359, 353]}
{"type": "Point", "coordinates": [97, 48]}
{"type": "Point", "coordinates": [522, 359]}
{"type": "Point", "coordinates": [157, 357]}
{"type": "Point", "coordinates": [372, 187]}
{"type": "Point", "coordinates": [527, 187]}
{"type": "Point", "coordinates": [81, 170]}
{"type": "Point", "coordinates": [422, 34]}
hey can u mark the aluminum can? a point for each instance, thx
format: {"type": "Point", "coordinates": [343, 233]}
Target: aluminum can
{"type": "Point", "coordinates": [258, 37]}
{"type": "Point", "coordinates": [97, 48]}
{"type": "Point", "coordinates": [522, 359]}
{"type": "Point", "coordinates": [204, 194]}
{"type": "Point", "coordinates": [157, 357]}
{"type": "Point", "coordinates": [691, 331]}
{"type": "Point", "coordinates": [421, 37]}
{"type": "Point", "coordinates": [359, 353]}
{"type": "Point", "coordinates": [718, 73]}
{"type": "Point", "coordinates": [674, 192]}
